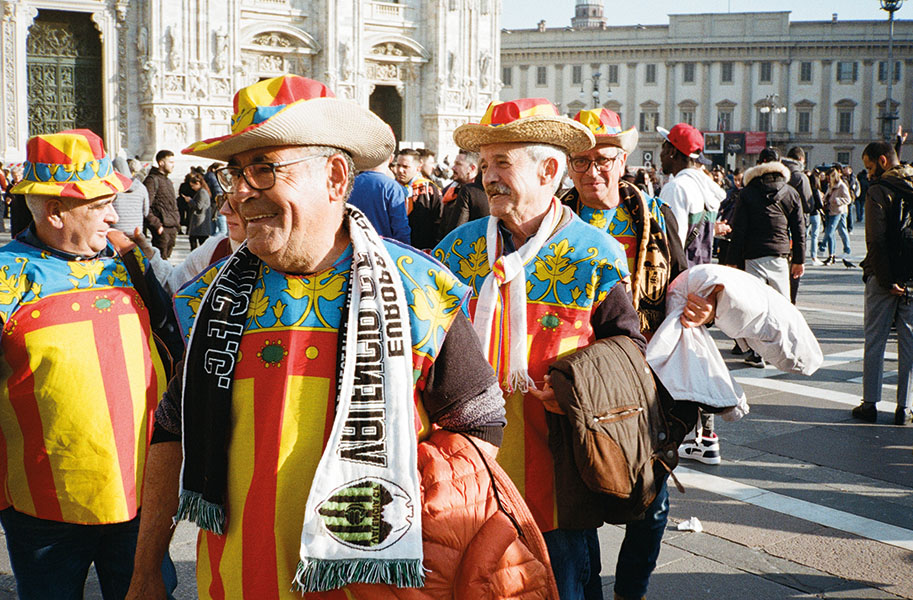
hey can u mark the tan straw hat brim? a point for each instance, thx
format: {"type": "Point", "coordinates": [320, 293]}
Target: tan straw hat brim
{"type": "Point", "coordinates": [555, 131]}
{"type": "Point", "coordinates": [317, 122]}
{"type": "Point", "coordinates": [626, 140]}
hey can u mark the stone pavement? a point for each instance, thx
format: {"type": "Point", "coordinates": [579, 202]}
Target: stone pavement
{"type": "Point", "coordinates": [808, 503]}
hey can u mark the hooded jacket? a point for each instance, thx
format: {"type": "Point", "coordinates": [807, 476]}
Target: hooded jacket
{"type": "Point", "coordinates": [798, 180]}
{"type": "Point", "coordinates": [767, 213]}
{"type": "Point", "coordinates": [883, 205]}
{"type": "Point", "coordinates": [694, 199]}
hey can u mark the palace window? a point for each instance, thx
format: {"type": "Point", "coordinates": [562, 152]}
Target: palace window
{"type": "Point", "coordinates": [726, 72]}
{"type": "Point", "coordinates": [649, 119]}
{"type": "Point", "coordinates": [541, 76]}
{"type": "Point", "coordinates": [804, 121]}
{"type": "Point", "coordinates": [507, 76]}
{"type": "Point", "coordinates": [882, 70]}
{"type": "Point", "coordinates": [688, 73]}
{"type": "Point", "coordinates": [766, 72]}
{"type": "Point", "coordinates": [847, 71]}
{"type": "Point", "coordinates": [687, 116]}
{"type": "Point", "coordinates": [724, 119]}
{"type": "Point", "coordinates": [845, 120]}
{"type": "Point", "coordinates": [577, 74]}
{"type": "Point", "coordinates": [651, 74]}
{"type": "Point", "coordinates": [805, 72]}
{"type": "Point", "coordinates": [613, 74]}
{"type": "Point", "coordinates": [763, 121]}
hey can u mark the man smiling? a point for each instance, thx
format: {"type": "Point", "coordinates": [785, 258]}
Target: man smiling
{"type": "Point", "coordinates": [318, 354]}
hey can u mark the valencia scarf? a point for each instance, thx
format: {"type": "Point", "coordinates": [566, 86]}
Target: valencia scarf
{"type": "Point", "coordinates": [510, 270]}
{"type": "Point", "coordinates": [362, 523]}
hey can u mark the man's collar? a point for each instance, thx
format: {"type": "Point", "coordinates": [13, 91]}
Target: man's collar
{"type": "Point", "coordinates": [30, 237]}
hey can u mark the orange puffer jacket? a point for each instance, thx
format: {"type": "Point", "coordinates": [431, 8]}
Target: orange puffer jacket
{"type": "Point", "coordinates": [480, 540]}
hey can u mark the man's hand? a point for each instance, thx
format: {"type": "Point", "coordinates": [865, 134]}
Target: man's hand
{"type": "Point", "coordinates": [700, 311]}
{"type": "Point", "coordinates": [141, 242]}
{"type": "Point", "coordinates": [721, 228]}
{"type": "Point", "coordinates": [160, 230]}
{"type": "Point", "coordinates": [898, 290]}
{"type": "Point", "coordinates": [797, 271]}
{"type": "Point", "coordinates": [547, 397]}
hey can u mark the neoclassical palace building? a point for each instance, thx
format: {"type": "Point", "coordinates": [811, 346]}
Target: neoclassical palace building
{"type": "Point", "coordinates": [749, 79]}
{"type": "Point", "coordinates": [152, 74]}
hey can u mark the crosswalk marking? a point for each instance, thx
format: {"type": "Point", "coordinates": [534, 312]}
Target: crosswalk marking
{"type": "Point", "coordinates": [814, 513]}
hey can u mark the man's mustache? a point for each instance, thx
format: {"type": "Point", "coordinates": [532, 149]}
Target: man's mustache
{"type": "Point", "coordinates": [493, 189]}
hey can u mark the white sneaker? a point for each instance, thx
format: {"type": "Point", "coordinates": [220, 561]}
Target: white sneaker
{"type": "Point", "coordinates": [705, 450]}
{"type": "Point", "coordinates": [816, 262]}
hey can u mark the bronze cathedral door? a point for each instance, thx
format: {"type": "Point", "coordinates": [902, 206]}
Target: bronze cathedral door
{"type": "Point", "coordinates": [64, 73]}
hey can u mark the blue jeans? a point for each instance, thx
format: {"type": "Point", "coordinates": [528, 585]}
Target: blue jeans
{"type": "Point", "coordinates": [814, 227]}
{"type": "Point", "coordinates": [219, 225]}
{"type": "Point", "coordinates": [836, 223]}
{"type": "Point", "coordinates": [640, 548]}
{"type": "Point", "coordinates": [574, 554]}
{"type": "Point", "coordinates": [51, 559]}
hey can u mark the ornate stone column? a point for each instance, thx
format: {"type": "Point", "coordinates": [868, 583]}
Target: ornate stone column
{"type": "Point", "coordinates": [706, 109]}
{"type": "Point", "coordinates": [869, 110]}
{"type": "Point", "coordinates": [826, 107]}
{"type": "Point", "coordinates": [111, 99]}
{"type": "Point", "coordinates": [747, 104]}
{"type": "Point", "coordinates": [906, 108]}
{"type": "Point", "coordinates": [783, 119]}
{"type": "Point", "coordinates": [17, 18]}
{"type": "Point", "coordinates": [670, 95]}
{"type": "Point", "coordinates": [524, 81]}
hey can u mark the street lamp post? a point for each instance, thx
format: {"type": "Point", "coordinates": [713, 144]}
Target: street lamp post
{"type": "Point", "coordinates": [595, 94]}
{"type": "Point", "coordinates": [891, 6]}
{"type": "Point", "coordinates": [772, 105]}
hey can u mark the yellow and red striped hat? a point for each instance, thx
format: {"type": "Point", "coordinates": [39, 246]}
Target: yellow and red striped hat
{"type": "Point", "coordinates": [69, 164]}
{"type": "Point", "coordinates": [297, 111]}
{"type": "Point", "coordinates": [606, 127]}
{"type": "Point", "coordinates": [527, 120]}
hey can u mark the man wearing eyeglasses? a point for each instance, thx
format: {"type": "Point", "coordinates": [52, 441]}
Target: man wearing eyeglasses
{"type": "Point", "coordinates": [318, 356]}
{"type": "Point", "coordinates": [639, 223]}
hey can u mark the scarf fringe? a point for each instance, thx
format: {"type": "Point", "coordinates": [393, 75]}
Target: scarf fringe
{"type": "Point", "coordinates": [520, 380]}
{"type": "Point", "coordinates": [325, 575]}
{"type": "Point", "coordinates": [206, 515]}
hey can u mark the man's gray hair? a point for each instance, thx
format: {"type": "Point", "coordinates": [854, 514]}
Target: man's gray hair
{"type": "Point", "coordinates": [470, 157]}
{"type": "Point", "coordinates": [329, 151]}
{"type": "Point", "coordinates": [541, 152]}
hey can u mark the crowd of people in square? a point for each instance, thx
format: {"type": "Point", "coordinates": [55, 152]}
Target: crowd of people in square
{"type": "Point", "coordinates": [377, 375]}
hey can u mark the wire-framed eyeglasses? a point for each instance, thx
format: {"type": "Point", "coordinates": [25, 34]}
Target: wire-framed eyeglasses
{"type": "Point", "coordinates": [259, 175]}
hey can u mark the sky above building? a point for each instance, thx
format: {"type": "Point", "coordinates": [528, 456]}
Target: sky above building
{"type": "Point", "coordinates": [525, 14]}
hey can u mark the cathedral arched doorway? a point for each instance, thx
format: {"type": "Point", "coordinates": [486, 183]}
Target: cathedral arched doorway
{"type": "Point", "coordinates": [387, 104]}
{"type": "Point", "coordinates": [63, 64]}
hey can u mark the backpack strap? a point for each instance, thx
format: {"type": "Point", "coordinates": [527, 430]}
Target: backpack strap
{"type": "Point", "coordinates": [695, 231]}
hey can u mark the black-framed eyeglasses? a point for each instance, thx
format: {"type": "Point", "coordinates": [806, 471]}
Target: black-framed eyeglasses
{"type": "Point", "coordinates": [581, 164]}
{"type": "Point", "coordinates": [259, 175]}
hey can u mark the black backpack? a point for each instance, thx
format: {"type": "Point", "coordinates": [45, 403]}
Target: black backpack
{"type": "Point", "coordinates": [904, 264]}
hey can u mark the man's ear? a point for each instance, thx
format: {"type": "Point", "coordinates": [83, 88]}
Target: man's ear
{"type": "Point", "coordinates": [337, 177]}
{"type": "Point", "coordinates": [883, 162]}
{"type": "Point", "coordinates": [548, 169]}
{"type": "Point", "coordinates": [54, 209]}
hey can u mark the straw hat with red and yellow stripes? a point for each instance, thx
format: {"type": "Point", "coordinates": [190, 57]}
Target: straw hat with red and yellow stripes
{"type": "Point", "coordinates": [527, 120]}
{"type": "Point", "coordinates": [606, 127]}
{"type": "Point", "coordinates": [290, 110]}
{"type": "Point", "coordinates": [69, 164]}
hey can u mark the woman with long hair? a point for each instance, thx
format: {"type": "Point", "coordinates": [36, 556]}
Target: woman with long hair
{"type": "Point", "coordinates": [836, 201]}
{"type": "Point", "coordinates": [199, 211]}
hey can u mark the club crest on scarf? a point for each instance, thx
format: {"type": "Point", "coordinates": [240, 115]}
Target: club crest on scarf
{"type": "Point", "coordinates": [370, 514]}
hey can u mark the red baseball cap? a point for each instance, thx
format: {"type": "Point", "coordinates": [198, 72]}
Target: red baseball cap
{"type": "Point", "coordinates": [685, 138]}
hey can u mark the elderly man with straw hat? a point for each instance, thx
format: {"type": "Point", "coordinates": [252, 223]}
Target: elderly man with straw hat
{"type": "Point", "coordinates": [544, 284]}
{"type": "Point", "coordinates": [318, 355]}
{"type": "Point", "coordinates": [81, 378]}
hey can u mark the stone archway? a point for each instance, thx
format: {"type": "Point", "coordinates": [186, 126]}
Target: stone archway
{"type": "Point", "coordinates": [387, 103]}
{"type": "Point", "coordinates": [64, 73]}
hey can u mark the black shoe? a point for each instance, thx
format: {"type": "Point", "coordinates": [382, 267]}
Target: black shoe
{"type": "Point", "coordinates": [866, 412]}
{"type": "Point", "coordinates": [848, 264]}
{"type": "Point", "coordinates": [903, 416]}
{"type": "Point", "coordinates": [753, 359]}
{"type": "Point", "coordinates": [736, 350]}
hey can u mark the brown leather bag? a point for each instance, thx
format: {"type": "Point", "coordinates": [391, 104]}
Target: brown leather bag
{"type": "Point", "coordinates": [614, 446]}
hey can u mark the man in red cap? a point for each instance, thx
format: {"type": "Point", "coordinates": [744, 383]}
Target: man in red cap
{"type": "Point", "coordinates": [694, 199]}
{"type": "Point", "coordinates": [81, 376]}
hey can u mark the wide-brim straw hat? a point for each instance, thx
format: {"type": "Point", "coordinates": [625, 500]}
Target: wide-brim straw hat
{"type": "Point", "coordinates": [296, 111]}
{"type": "Point", "coordinates": [69, 164]}
{"type": "Point", "coordinates": [527, 120]}
{"type": "Point", "coordinates": [606, 127]}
